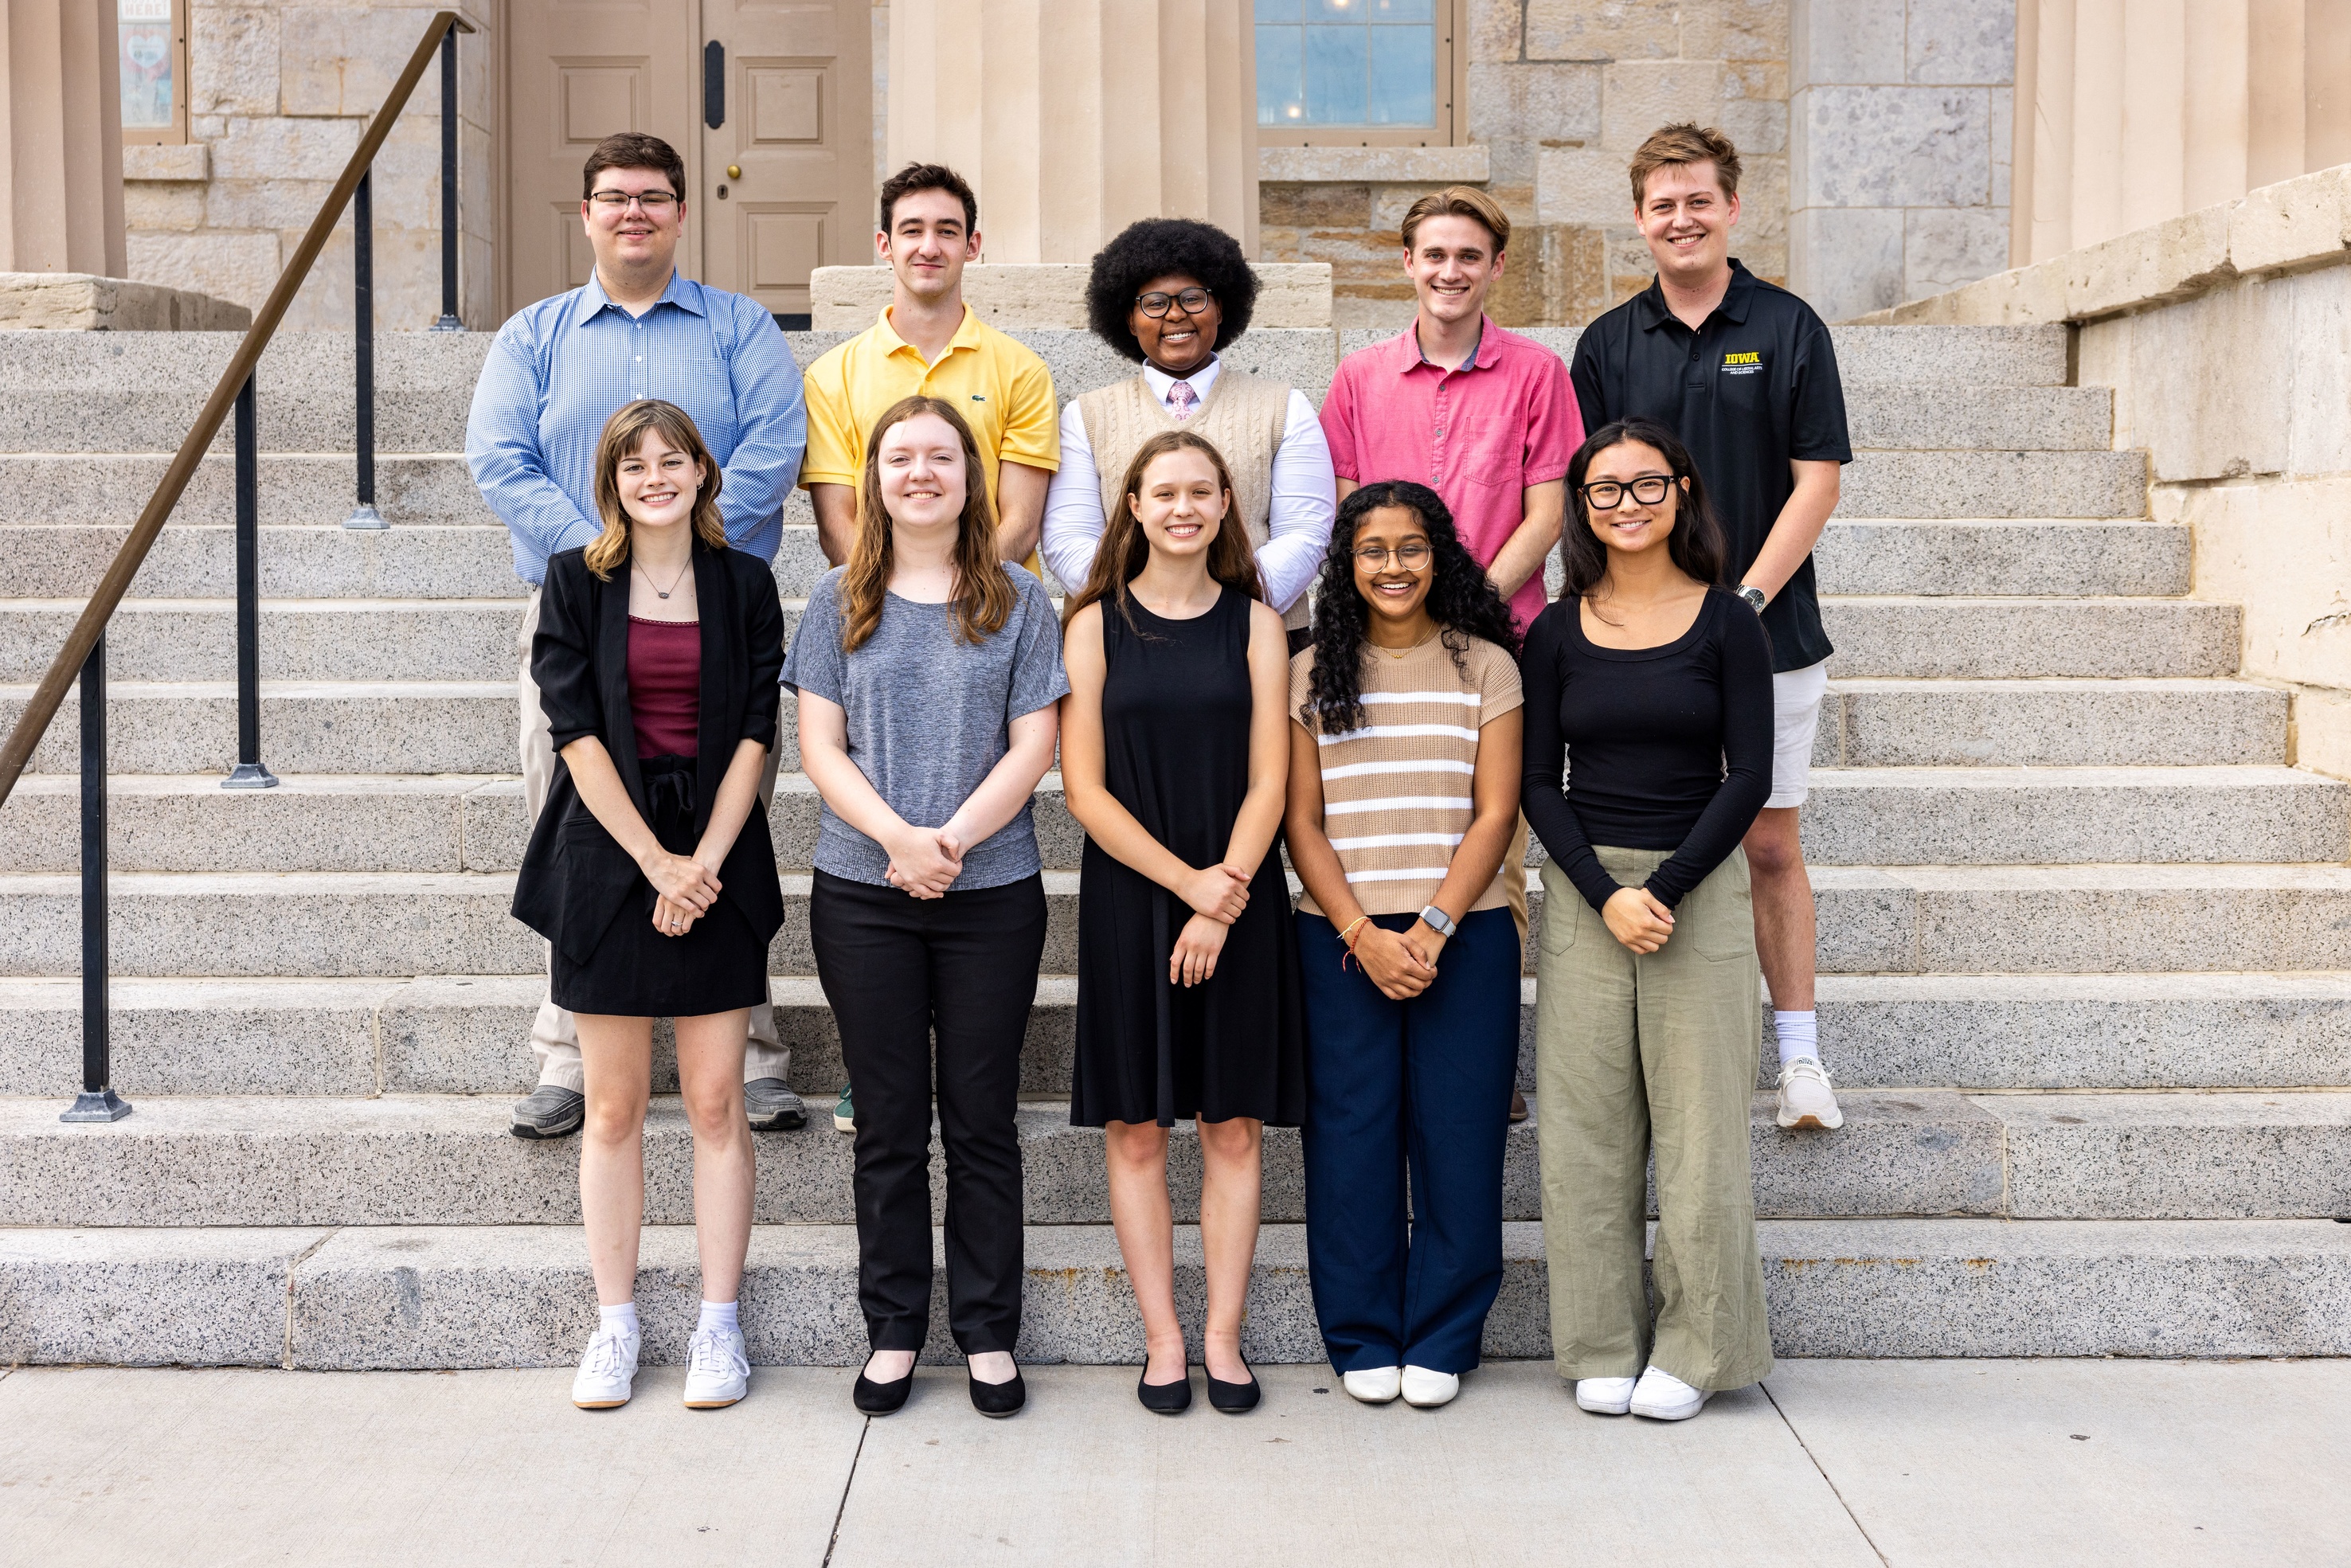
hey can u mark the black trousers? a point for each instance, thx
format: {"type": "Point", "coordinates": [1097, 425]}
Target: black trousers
{"type": "Point", "coordinates": [898, 971]}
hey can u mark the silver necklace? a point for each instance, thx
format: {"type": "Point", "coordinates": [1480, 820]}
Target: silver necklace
{"type": "Point", "coordinates": [659, 591]}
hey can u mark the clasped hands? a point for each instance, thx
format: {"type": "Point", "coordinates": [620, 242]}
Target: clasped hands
{"type": "Point", "coordinates": [925, 862]}
{"type": "Point", "coordinates": [1636, 919]}
{"type": "Point", "coordinates": [684, 889]}
{"type": "Point", "coordinates": [1218, 894]}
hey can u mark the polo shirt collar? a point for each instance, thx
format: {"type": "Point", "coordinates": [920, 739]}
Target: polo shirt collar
{"type": "Point", "coordinates": [1736, 299]}
{"type": "Point", "coordinates": [681, 291]}
{"type": "Point", "coordinates": [1406, 354]}
{"type": "Point", "coordinates": [966, 334]}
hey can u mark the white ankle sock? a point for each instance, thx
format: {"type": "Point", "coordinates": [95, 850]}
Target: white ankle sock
{"type": "Point", "coordinates": [621, 1319]}
{"type": "Point", "coordinates": [718, 1315]}
{"type": "Point", "coordinates": [1800, 1035]}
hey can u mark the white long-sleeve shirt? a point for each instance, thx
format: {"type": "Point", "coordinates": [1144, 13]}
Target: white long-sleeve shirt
{"type": "Point", "coordinates": [1304, 497]}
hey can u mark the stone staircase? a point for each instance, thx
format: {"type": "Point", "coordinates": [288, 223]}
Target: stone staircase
{"type": "Point", "coordinates": [2085, 940]}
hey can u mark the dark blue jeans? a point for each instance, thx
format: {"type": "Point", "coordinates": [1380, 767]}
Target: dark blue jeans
{"type": "Point", "coordinates": [1420, 1087]}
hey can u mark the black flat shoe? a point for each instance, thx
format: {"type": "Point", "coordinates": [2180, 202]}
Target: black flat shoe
{"type": "Point", "coordinates": [881, 1398]}
{"type": "Point", "coordinates": [1000, 1398]}
{"type": "Point", "coordinates": [1165, 1398]}
{"type": "Point", "coordinates": [1233, 1398]}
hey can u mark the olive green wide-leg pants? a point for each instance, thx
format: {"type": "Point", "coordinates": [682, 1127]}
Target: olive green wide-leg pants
{"type": "Point", "coordinates": [1635, 1053]}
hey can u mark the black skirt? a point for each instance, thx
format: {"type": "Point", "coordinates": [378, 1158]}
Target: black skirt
{"type": "Point", "coordinates": [717, 965]}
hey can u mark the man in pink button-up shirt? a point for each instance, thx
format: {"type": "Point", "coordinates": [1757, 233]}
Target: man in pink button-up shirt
{"type": "Point", "coordinates": [1484, 417]}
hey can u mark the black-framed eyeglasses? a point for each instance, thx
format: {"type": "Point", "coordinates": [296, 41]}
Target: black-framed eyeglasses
{"type": "Point", "coordinates": [1606, 495]}
{"type": "Point", "coordinates": [653, 203]}
{"type": "Point", "coordinates": [1154, 304]}
{"type": "Point", "coordinates": [1412, 555]}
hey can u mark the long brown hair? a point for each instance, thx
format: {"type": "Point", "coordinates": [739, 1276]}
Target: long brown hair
{"type": "Point", "coordinates": [983, 593]}
{"type": "Point", "coordinates": [623, 432]}
{"type": "Point", "coordinates": [1126, 547]}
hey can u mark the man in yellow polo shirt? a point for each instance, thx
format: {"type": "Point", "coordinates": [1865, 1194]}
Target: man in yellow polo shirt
{"type": "Point", "coordinates": [929, 341]}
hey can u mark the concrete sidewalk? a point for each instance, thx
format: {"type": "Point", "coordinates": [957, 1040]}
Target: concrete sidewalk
{"type": "Point", "coordinates": [1831, 1463]}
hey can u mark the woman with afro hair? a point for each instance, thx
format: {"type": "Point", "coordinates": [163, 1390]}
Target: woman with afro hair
{"type": "Point", "coordinates": [1404, 806]}
{"type": "Point", "coordinates": [1168, 292]}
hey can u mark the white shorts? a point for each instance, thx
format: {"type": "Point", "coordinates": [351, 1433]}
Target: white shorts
{"type": "Point", "coordinates": [1795, 718]}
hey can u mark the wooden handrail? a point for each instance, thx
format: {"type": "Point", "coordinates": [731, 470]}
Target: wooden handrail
{"type": "Point", "coordinates": [34, 722]}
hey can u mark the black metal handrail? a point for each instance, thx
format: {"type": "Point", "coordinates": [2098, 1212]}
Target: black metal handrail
{"type": "Point", "coordinates": [83, 657]}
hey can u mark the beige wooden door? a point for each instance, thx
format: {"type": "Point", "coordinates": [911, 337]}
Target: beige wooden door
{"type": "Point", "coordinates": [787, 177]}
{"type": "Point", "coordinates": [579, 70]}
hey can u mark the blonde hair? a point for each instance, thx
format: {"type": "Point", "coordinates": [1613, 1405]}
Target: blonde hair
{"type": "Point", "coordinates": [623, 433]}
{"type": "Point", "coordinates": [1459, 202]}
{"type": "Point", "coordinates": [1125, 547]}
{"type": "Point", "coordinates": [983, 588]}
{"type": "Point", "coordinates": [1679, 146]}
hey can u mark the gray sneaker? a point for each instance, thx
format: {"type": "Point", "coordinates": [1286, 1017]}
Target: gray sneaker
{"type": "Point", "coordinates": [772, 1107]}
{"type": "Point", "coordinates": [550, 1111]}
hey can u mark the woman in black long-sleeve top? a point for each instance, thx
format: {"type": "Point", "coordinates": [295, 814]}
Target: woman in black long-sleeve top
{"type": "Point", "coordinates": [650, 872]}
{"type": "Point", "coordinates": [1653, 685]}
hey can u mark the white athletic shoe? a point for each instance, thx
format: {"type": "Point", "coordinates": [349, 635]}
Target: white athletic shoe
{"type": "Point", "coordinates": [606, 1372]}
{"type": "Point", "coordinates": [1662, 1396]}
{"type": "Point", "coordinates": [1373, 1385]}
{"type": "Point", "coordinates": [1604, 1395]}
{"type": "Point", "coordinates": [717, 1372]}
{"type": "Point", "coordinates": [1805, 1098]}
{"type": "Point", "coordinates": [1426, 1390]}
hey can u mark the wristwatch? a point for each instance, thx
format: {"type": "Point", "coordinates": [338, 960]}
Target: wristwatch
{"type": "Point", "coordinates": [1437, 920]}
{"type": "Point", "coordinates": [1753, 595]}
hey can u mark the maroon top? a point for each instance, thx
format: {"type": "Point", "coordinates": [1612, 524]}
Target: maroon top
{"type": "Point", "coordinates": [666, 685]}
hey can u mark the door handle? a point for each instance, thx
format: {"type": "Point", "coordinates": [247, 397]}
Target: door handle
{"type": "Point", "coordinates": [714, 84]}
{"type": "Point", "coordinates": [734, 171]}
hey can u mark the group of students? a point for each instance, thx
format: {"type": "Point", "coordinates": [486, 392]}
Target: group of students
{"type": "Point", "coordinates": [1328, 633]}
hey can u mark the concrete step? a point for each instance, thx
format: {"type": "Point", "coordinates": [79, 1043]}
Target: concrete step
{"type": "Point", "coordinates": [1918, 920]}
{"type": "Point", "coordinates": [467, 1034]}
{"type": "Point", "coordinates": [2037, 556]}
{"type": "Point", "coordinates": [1915, 417]}
{"type": "Point", "coordinates": [301, 638]}
{"type": "Point", "coordinates": [1870, 816]}
{"type": "Point", "coordinates": [297, 489]}
{"type": "Point", "coordinates": [1986, 638]}
{"type": "Point", "coordinates": [426, 1297]}
{"type": "Point", "coordinates": [2049, 723]}
{"type": "Point", "coordinates": [2003, 484]}
{"type": "Point", "coordinates": [337, 727]}
{"type": "Point", "coordinates": [65, 560]}
{"type": "Point", "coordinates": [452, 1161]}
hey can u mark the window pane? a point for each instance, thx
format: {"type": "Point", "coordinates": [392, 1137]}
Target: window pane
{"type": "Point", "coordinates": [1280, 90]}
{"type": "Point", "coordinates": [1277, 10]}
{"type": "Point", "coordinates": [1334, 76]}
{"type": "Point", "coordinates": [1402, 75]}
{"type": "Point", "coordinates": [1400, 10]}
{"type": "Point", "coordinates": [146, 63]}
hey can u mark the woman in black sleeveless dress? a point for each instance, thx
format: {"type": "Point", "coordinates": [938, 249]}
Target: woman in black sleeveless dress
{"type": "Point", "coordinates": [1174, 758]}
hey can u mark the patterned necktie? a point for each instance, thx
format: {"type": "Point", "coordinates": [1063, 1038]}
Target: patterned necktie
{"type": "Point", "coordinates": [1182, 399]}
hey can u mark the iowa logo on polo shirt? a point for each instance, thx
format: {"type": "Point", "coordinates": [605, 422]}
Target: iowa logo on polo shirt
{"type": "Point", "coordinates": [1741, 364]}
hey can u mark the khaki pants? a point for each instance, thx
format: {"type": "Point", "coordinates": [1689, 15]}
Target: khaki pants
{"type": "Point", "coordinates": [554, 1037]}
{"type": "Point", "coordinates": [1640, 1053]}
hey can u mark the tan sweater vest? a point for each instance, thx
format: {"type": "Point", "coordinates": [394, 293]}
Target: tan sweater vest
{"type": "Point", "coordinates": [1242, 416]}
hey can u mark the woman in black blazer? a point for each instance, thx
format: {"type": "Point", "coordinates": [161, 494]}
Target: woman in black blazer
{"type": "Point", "coordinates": [651, 873]}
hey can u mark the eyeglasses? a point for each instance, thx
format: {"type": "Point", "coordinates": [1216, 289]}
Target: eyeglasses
{"type": "Point", "coordinates": [1412, 555]}
{"type": "Point", "coordinates": [1605, 495]}
{"type": "Point", "coordinates": [653, 204]}
{"type": "Point", "coordinates": [1155, 305]}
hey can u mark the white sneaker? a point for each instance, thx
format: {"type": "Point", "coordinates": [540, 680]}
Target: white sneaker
{"type": "Point", "coordinates": [1373, 1385]}
{"type": "Point", "coordinates": [1805, 1098]}
{"type": "Point", "coordinates": [1662, 1396]}
{"type": "Point", "coordinates": [1604, 1395]}
{"type": "Point", "coordinates": [606, 1372]}
{"type": "Point", "coordinates": [1426, 1390]}
{"type": "Point", "coordinates": [717, 1372]}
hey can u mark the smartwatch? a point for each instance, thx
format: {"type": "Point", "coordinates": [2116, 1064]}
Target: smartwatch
{"type": "Point", "coordinates": [1753, 595]}
{"type": "Point", "coordinates": [1439, 922]}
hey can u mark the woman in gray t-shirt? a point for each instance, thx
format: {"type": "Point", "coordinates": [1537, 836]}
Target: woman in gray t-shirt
{"type": "Point", "coordinates": [927, 674]}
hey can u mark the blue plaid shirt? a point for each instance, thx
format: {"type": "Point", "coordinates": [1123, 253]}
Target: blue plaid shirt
{"type": "Point", "coordinates": [560, 367]}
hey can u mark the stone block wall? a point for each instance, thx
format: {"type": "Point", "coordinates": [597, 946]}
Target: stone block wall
{"type": "Point", "coordinates": [277, 95]}
{"type": "Point", "coordinates": [1899, 148]}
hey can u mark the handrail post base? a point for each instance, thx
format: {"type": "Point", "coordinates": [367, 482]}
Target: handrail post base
{"type": "Point", "coordinates": [97, 1105]}
{"type": "Point", "coordinates": [250, 776]}
{"type": "Point", "coordinates": [365, 517]}
{"type": "Point", "coordinates": [446, 324]}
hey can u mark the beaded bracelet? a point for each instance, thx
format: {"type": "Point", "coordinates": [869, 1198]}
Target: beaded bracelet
{"type": "Point", "coordinates": [1350, 941]}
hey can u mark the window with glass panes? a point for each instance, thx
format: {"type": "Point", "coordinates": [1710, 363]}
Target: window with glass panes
{"type": "Point", "coordinates": [1354, 72]}
{"type": "Point", "coordinates": [154, 54]}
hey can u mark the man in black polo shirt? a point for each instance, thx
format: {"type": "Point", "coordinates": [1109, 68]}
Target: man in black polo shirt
{"type": "Point", "coordinates": [1744, 372]}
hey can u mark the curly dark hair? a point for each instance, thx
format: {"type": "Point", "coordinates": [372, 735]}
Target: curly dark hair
{"type": "Point", "coordinates": [1462, 601]}
{"type": "Point", "coordinates": [1157, 247]}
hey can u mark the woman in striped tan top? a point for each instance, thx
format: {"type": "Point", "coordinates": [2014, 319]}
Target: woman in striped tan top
{"type": "Point", "coordinates": [1405, 755]}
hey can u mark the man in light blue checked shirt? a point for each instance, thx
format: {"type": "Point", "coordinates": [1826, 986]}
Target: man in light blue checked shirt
{"type": "Point", "coordinates": [557, 372]}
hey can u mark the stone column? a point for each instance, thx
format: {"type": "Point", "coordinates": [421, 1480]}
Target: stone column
{"type": "Point", "coordinates": [1073, 117]}
{"type": "Point", "coordinates": [61, 175]}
